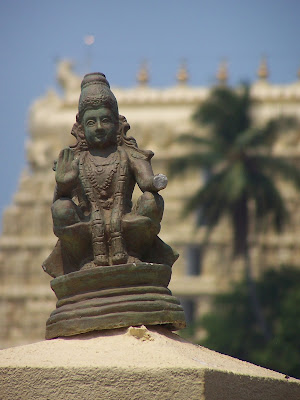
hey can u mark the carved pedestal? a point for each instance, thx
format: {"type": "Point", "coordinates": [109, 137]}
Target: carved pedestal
{"type": "Point", "coordinates": [114, 297]}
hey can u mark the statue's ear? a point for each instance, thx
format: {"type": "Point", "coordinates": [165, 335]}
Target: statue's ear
{"type": "Point", "coordinates": [77, 131]}
{"type": "Point", "coordinates": [123, 125]}
{"type": "Point", "coordinates": [81, 132]}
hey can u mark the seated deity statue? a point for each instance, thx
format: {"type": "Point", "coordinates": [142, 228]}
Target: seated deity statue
{"type": "Point", "coordinates": [93, 216]}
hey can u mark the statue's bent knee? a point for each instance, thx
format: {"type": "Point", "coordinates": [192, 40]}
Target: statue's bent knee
{"type": "Point", "coordinates": [64, 212]}
{"type": "Point", "coordinates": [150, 205]}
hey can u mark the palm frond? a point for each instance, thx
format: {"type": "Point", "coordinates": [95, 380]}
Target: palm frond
{"type": "Point", "coordinates": [281, 123]}
{"type": "Point", "coordinates": [195, 160]}
{"type": "Point", "coordinates": [268, 200]}
{"type": "Point", "coordinates": [226, 112]}
{"type": "Point", "coordinates": [222, 190]}
{"type": "Point", "coordinates": [250, 138]}
{"type": "Point", "coordinates": [207, 193]}
{"type": "Point", "coordinates": [211, 211]}
{"type": "Point", "coordinates": [277, 166]}
{"type": "Point", "coordinates": [265, 136]}
{"type": "Point", "coordinates": [218, 196]}
{"type": "Point", "coordinates": [189, 138]}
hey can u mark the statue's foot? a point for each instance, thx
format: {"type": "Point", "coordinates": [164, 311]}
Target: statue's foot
{"type": "Point", "coordinates": [133, 260]}
{"type": "Point", "coordinates": [119, 258]}
{"type": "Point", "coordinates": [89, 265]}
{"type": "Point", "coordinates": [101, 260]}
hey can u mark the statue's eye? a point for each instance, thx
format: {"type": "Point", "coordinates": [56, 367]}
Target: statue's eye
{"type": "Point", "coordinates": [106, 120]}
{"type": "Point", "coordinates": [90, 122]}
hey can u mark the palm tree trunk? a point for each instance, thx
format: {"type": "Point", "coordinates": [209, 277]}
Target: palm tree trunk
{"type": "Point", "coordinates": [252, 291]}
{"type": "Point", "coordinates": [241, 247]}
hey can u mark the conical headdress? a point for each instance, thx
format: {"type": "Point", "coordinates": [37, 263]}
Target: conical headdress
{"type": "Point", "coordinates": [95, 92]}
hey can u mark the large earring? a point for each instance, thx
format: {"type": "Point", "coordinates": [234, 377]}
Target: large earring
{"type": "Point", "coordinates": [83, 145]}
{"type": "Point", "coordinates": [81, 138]}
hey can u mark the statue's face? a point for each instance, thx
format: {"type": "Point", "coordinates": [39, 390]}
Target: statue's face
{"type": "Point", "coordinates": [100, 127]}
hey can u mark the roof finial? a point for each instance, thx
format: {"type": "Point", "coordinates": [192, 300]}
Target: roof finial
{"type": "Point", "coordinates": [143, 74]}
{"type": "Point", "coordinates": [222, 73]}
{"type": "Point", "coordinates": [182, 74]}
{"type": "Point", "coordinates": [263, 70]}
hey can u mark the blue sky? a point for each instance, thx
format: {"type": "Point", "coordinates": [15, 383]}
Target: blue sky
{"type": "Point", "coordinates": [36, 33]}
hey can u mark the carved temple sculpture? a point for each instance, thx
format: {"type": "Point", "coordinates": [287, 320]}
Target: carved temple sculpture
{"type": "Point", "coordinates": [110, 268]}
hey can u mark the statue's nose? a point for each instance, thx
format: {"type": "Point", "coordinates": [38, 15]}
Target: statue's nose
{"type": "Point", "coordinates": [98, 125]}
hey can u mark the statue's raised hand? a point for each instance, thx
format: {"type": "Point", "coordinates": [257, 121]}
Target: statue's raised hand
{"type": "Point", "coordinates": [66, 169]}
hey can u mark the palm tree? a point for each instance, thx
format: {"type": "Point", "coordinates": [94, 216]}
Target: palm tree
{"type": "Point", "coordinates": [241, 168]}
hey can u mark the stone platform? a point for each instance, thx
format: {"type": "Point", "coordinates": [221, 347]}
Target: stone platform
{"type": "Point", "coordinates": [114, 297]}
{"type": "Point", "coordinates": [134, 364]}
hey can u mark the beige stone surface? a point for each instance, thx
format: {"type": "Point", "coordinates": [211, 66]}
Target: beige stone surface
{"type": "Point", "coordinates": [134, 364]}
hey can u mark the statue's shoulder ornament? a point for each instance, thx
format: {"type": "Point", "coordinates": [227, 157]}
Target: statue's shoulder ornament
{"type": "Point", "coordinates": [130, 144]}
{"type": "Point", "coordinates": [136, 153]}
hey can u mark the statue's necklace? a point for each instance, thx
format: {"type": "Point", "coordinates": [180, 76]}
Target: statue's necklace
{"type": "Point", "coordinates": [99, 165]}
{"type": "Point", "coordinates": [102, 189]}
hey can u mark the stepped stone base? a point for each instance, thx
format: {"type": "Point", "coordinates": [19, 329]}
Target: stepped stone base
{"type": "Point", "coordinates": [114, 297]}
{"type": "Point", "coordinates": [135, 364]}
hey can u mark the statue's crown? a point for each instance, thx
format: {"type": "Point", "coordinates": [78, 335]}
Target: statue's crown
{"type": "Point", "coordinates": [95, 91]}
{"type": "Point", "coordinates": [94, 78]}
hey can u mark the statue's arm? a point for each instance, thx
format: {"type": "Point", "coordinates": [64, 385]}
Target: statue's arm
{"type": "Point", "coordinates": [145, 178]}
{"type": "Point", "coordinates": [66, 175]}
{"type": "Point", "coordinates": [62, 192]}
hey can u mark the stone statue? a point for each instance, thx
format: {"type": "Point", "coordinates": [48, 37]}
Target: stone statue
{"type": "Point", "coordinates": [92, 209]}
